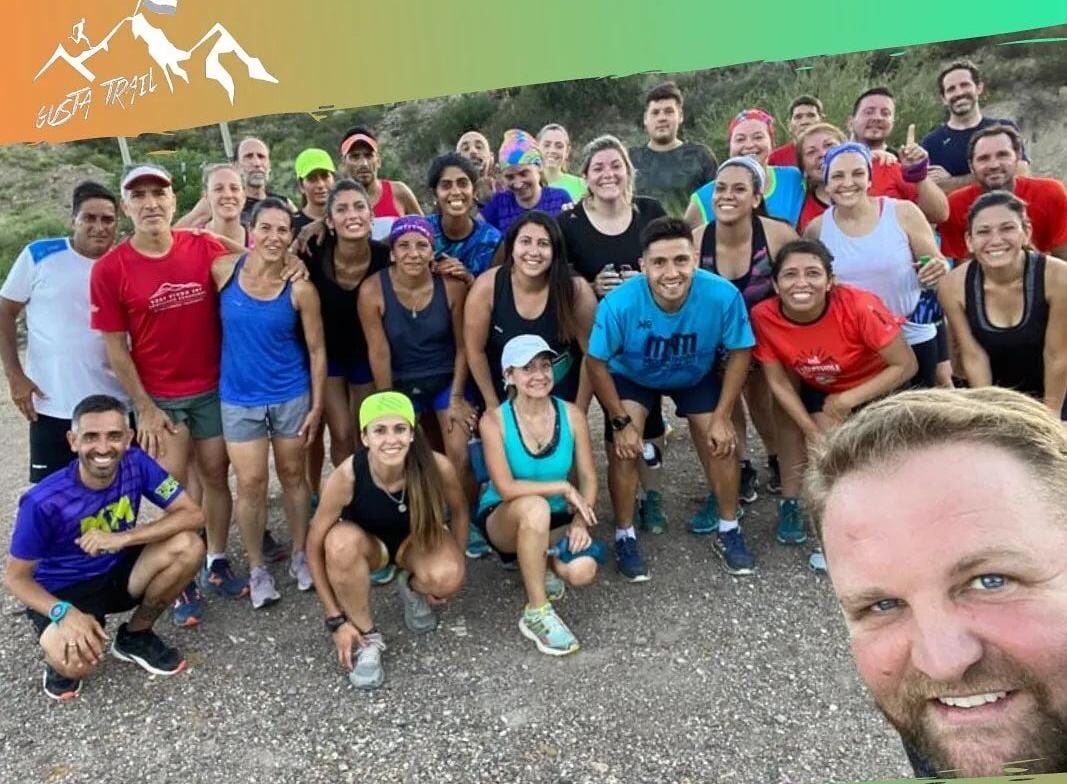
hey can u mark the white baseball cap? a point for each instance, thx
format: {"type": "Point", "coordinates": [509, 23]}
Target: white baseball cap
{"type": "Point", "coordinates": [144, 171]}
{"type": "Point", "coordinates": [521, 349]}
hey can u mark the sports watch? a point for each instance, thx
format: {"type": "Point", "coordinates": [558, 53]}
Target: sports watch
{"type": "Point", "coordinates": [618, 423]}
{"type": "Point", "coordinates": [58, 611]}
{"type": "Point", "coordinates": [335, 622]}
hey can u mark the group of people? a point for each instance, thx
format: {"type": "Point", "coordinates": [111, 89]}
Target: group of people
{"type": "Point", "coordinates": [453, 358]}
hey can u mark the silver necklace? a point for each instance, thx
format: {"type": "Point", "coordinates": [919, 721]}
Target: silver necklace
{"type": "Point", "coordinates": [401, 504]}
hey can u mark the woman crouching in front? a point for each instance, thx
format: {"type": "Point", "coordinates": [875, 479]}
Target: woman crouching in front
{"type": "Point", "coordinates": [386, 505]}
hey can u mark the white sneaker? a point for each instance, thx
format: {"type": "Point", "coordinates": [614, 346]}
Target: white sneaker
{"type": "Point", "coordinates": [299, 571]}
{"type": "Point", "coordinates": [263, 591]}
{"type": "Point", "coordinates": [368, 673]}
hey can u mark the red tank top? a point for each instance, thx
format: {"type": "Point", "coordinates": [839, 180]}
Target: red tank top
{"type": "Point", "coordinates": [386, 206]}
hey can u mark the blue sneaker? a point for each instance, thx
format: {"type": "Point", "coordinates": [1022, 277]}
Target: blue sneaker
{"type": "Point", "coordinates": [220, 580]}
{"type": "Point", "coordinates": [188, 609]}
{"type": "Point", "coordinates": [628, 560]}
{"type": "Point", "coordinates": [548, 631]}
{"type": "Point", "coordinates": [706, 521]}
{"type": "Point", "coordinates": [476, 544]}
{"type": "Point", "coordinates": [791, 528]}
{"type": "Point", "coordinates": [383, 576]}
{"type": "Point", "coordinates": [730, 547]}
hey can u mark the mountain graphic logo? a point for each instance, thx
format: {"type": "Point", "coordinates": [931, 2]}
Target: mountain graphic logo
{"type": "Point", "coordinates": [170, 58]}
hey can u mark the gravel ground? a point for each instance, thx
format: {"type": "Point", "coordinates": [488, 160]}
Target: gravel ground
{"type": "Point", "coordinates": [695, 676]}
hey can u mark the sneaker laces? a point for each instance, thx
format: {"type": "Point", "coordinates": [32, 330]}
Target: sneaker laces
{"type": "Point", "coordinates": [370, 648]}
{"type": "Point", "coordinates": [260, 579]}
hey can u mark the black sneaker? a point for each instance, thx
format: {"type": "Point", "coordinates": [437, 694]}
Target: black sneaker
{"type": "Point", "coordinates": [273, 550]}
{"type": "Point", "coordinates": [774, 481]}
{"type": "Point", "coordinates": [148, 651]}
{"type": "Point", "coordinates": [746, 491]}
{"type": "Point", "coordinates": [59, 687]}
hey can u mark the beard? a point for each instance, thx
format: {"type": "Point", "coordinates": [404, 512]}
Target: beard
{"type": "Point", "coordinates": [1033, 743]}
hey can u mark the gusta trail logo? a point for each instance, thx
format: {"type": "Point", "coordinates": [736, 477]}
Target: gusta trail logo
{"type": "Point", "coordinates": [169, 61]}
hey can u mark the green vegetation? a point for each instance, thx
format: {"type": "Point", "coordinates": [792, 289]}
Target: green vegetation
{"type": "Point", "coordinates": [32, 203]}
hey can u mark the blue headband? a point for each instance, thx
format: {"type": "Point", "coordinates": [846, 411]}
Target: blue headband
{"type": "Point", "coordinates": [841, 149]}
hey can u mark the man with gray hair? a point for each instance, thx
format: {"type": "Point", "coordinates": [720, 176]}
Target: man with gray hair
{"type": "Point", "coordinates": [942, 519]}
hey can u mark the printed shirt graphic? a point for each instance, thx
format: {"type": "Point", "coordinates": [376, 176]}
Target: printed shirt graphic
{"type": "Point", "coordinates": [55, 512]}
{"type": "Point", "coordinates": [169, 307]}
{"type": "Point", "coordinates": [837, 351]}
{"type": "Point", "coordinates": [64, 356]}
{"type": "Point", "coordinates": [660, 350]}
{"type": "Point", "coordinates": [475, 250]}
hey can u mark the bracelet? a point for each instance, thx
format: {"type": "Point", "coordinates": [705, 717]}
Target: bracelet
{"type": "Point", "coordinates": [917, 171]}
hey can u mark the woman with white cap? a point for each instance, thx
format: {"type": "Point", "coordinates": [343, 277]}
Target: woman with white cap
{"type": "Point", "coordinates": [532, 443]}
{"type": "Point", "coordinates": [386, 505]}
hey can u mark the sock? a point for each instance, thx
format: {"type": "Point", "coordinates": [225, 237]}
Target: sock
{"type": "Point", "coordinates": [624, 533]}
{"type": "Point", "coordinates": [726, 525]}
{"type": "Point", "coordinates": [212, 557]}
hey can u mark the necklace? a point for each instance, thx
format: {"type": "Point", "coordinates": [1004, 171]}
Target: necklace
{"type": "Point", "coordinates": [531, 431]}
{"type": "Point", "coordinates": [415, 295]}
{"type": "Point", "coordinates": [401, 503]}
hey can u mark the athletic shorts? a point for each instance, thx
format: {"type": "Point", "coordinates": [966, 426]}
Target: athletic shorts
{"type": "Point", "coordinates": [357, 374]}
{"type": "Point", "coordinates": [432, 393]}
{"type": "Point", "coordinates": [481, 522]}
{"type": "Point", "coordinates": [655, 426]}
{"type": "Point", "coordinates": [100, 596]}
{"type": "Point", "coordinates": [252, 423]}
{"type": "Point", "coordinates": [200, 413]}
{"type": "Point", "coordinates": [700, 398]}
{"type": "Point", "coordinates": [49, 448]}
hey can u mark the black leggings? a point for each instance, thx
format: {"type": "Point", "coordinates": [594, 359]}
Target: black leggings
{"type": "Point", "coordinates": [928, 356]}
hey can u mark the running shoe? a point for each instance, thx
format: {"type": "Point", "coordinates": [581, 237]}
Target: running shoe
{"type": "Point", "coordinates": [147, 651]}
{"type": "Point", "coordinates": [368, 673]}
{"type": "Point", "coordinates": [774, 480]}
{"type": "Point", "coordinates": [273, 550]}
{"type": "Point", "coordinates": [548, 632]}
{"type": "Point", "coordinates": [476, 544]}
{"type": "Point", "coordinates": [299, 571]}
{"type": "Point", "coordinates": [58, 687]}
{"type": "Point", "coordinates": [706, 520]}
{"type": "Point", "coordinates": [554, 586]}
{"type": "Point", "coordinates": [747, 491]}
{"type": "Point", "coordinates": [383, 576]}
{"type": "Point", "coordinates": [264, 592]}
{"type": "Point", "coordinates": [419, 616]}
{"type": "Point", "coordinates": [730, 547]}
{"type": "Point", "coordinates": [628, 560]}
{"type": "Point", "coordinates": [650, 515]}
{"type": "Point", "coordinates": [188, 609]}
{"type": "Point", "coordinates": [220, 580]}
{"type": "Point", "coordinates": [791, 528]}
{"type": "Point", "coordinates": [817, 562]}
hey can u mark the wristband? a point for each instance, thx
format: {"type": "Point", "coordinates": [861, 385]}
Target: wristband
{"type": "Point", "coordinates": [335, 622]}
{"type": "Point", "coordinates": [916, 172]}
{"type": "Point", "coordinates": [58, 611]}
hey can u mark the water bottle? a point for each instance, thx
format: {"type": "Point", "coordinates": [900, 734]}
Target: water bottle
{"type": "Point", "coordinates": [477, 459]}
{"type": "Point", "coordinates": [652, 455]}
{"type": "Point", "coordinates": [562, 551]}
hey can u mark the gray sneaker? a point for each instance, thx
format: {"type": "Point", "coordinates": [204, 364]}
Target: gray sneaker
{"type": "Point", "coordinates": [299, 571]}
{"type": "Point", "coordinates": [419, 617]}
{"type": "Point", "coordinates": [263, 591]}
{"type": "Point", "coordinates": [368, 673]}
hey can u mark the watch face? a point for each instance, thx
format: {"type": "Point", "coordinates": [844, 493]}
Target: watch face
{"type": "Point", "coordinates": [58, 611]}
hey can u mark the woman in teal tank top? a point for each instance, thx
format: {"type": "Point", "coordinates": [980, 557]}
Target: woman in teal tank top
{"type": "Point", "coordinates": [533, 443]}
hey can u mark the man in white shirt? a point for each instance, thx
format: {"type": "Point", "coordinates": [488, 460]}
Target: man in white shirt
{"type": "Point", "coordinates": [65, 359]}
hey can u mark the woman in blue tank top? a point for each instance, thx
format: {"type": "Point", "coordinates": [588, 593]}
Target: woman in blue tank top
{"type": "Point", "coordinates": [413, 322]}
{"type": "Point", "coordinates": [532, 442]}
{"type": "Point", "coordinates": [271, 386]}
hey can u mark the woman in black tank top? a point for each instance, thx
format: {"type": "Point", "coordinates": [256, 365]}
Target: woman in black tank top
{"type": "Point", "coordinates": [1008, 306]}
{"type": "Point", "coordinates": [388, 504]}
{"type": "Point", "coordinates": [738, 246]}
{"type": "Point", "coordinates": [532, 293]}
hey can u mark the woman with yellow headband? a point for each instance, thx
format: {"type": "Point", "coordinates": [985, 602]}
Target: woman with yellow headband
{"type": "Point", "coordinates": [386, 505]}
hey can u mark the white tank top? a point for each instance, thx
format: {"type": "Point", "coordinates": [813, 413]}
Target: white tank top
{"type": "Point", "coordinates": [880, 262]}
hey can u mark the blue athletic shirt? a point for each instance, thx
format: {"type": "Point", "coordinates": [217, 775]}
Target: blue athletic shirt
{"type": "Point", "coordinates": [660, 350]}
{"type": "Point", "coordinates": [58, 510]}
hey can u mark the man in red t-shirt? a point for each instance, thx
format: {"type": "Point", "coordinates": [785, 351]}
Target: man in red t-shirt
{"type": "Point", "coordinates": [993, 156]}
{"type": "Point", "coordinates": [804, 112]}
{"type": "Point", "coordinates": [154, 299]}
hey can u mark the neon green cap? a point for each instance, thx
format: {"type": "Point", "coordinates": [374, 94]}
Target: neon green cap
{"type": "Point", "coordinates": [313, 159]}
